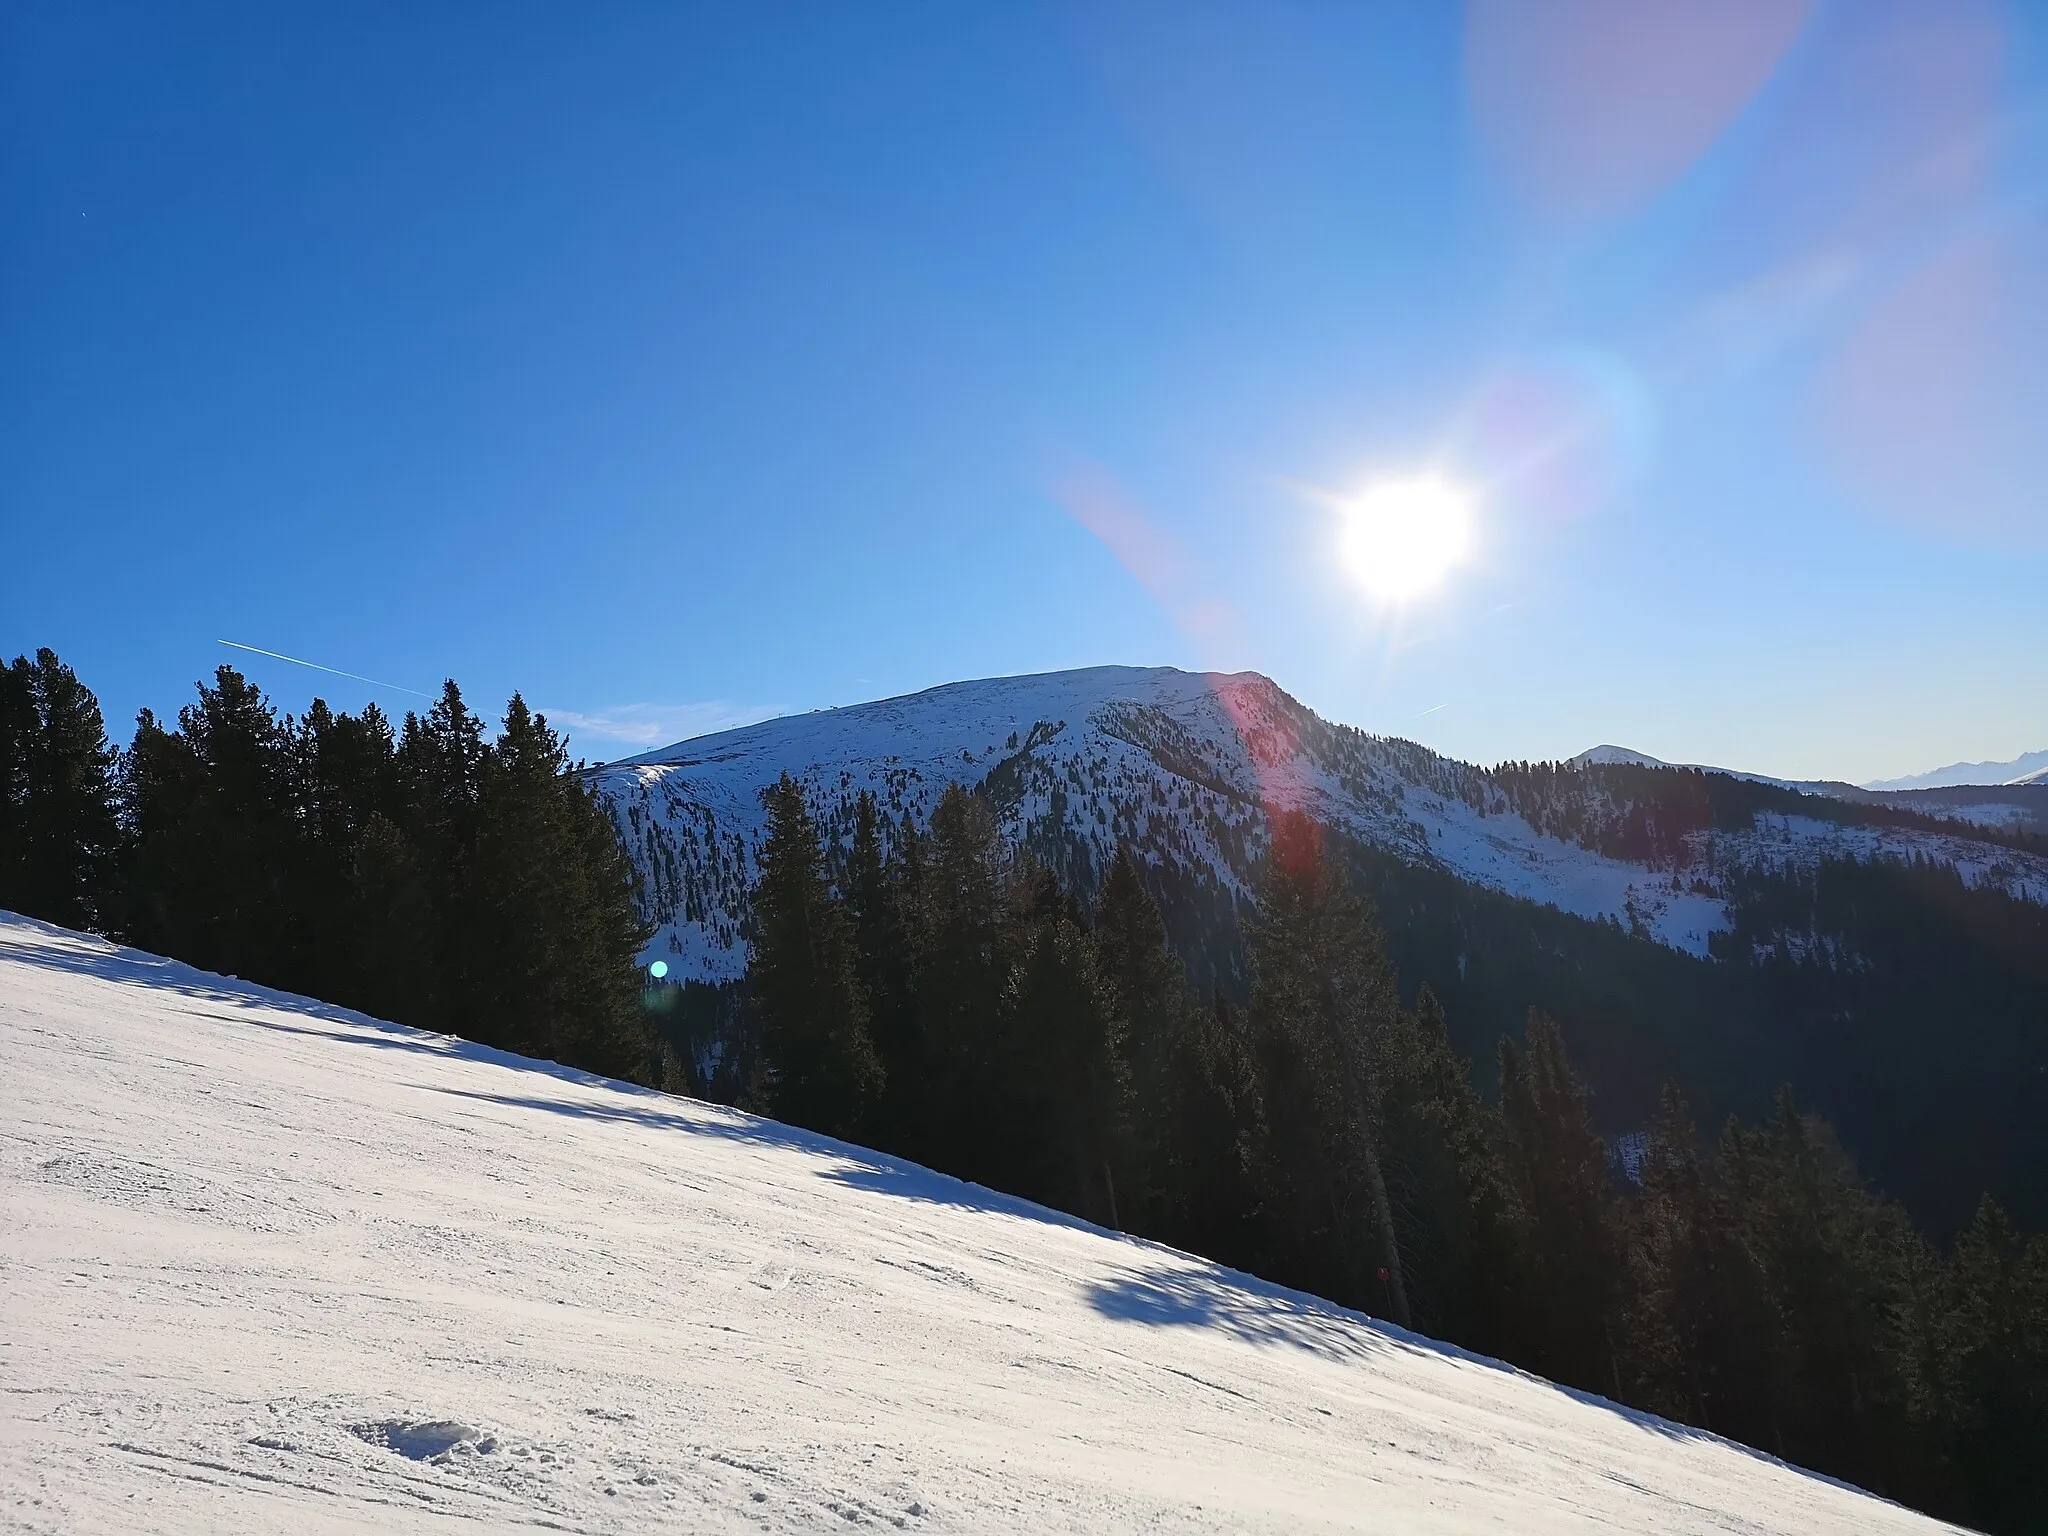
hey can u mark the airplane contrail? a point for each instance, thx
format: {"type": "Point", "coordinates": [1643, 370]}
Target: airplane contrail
{"type": "Point", "coordinates": [1434, 708]}
{"type": "Point", "coordinates": [280, 655]}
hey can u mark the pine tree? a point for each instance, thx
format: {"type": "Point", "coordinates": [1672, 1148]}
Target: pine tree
{"type": "Point", "coordinates": [344, 776]}
{"type": "Point", "coordinates": [1443, 1180]}
{"type": "Point", "coordinates": [550, 902]}
{"type": "Point", "coordinates": [209, 807]}
{"type": "Point", "coordinates": [1326, 1011]}
{"type": "Point", "coordinates": [1148, 993]}
{"type": "Point", "coordinates": [876, 893]}
{"type": "Point", "coordinates": [823, 1071]}
{"type": "Point", "coordinates": [1212, 1195]}
{"type": "Point", "coordinates": [59, 840]}
{"type": "Point", "coordinates": [391, 938]}
{"type": "Point", "coordinates": [441, 761]}
{"type": "Point", "coordinates": [1670, 1312]}
{"type": "Point", "coordinates": [1839, 1268]}
{"type": "Point", "coordinates": [961, 968]}
{"type": "Point", "coordinates": [1556, 1168]}
{"type": "Point", "coordinates": [1066, 1089]}
{"type": "Point", "coordinates": [18, 730]}
{"type": "Point", "coordinates": [1993, 1366]}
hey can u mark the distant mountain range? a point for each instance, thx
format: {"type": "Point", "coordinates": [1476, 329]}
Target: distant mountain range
{"type": "Point", "coordinates": [2028, 768]}
{"type": "Point", "coordinates": [1984, 793]}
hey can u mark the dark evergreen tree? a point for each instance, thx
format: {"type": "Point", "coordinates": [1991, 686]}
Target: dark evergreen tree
{"type": "Point", "coordinates": [392, 936]}
{"type": "Point", "coordinates": [441, 765]}
{"type": "Point", "coordinates": [1443, 1180]}
{"type": "Point", "coordinates": [59, 840]}
{"type": "Point", "coordinates": [1064, 1101]}
{"type": "Point", "coordinates": [1839, 1267]}
{"type": "Point", "coordinates": [1148, 993]}
{"type": "Point", "coordinates": [961, 969]}
{"type": "Point", "coordinates": [550, 893]}
{"type": "Point", "coordinates": [210, 808]}
{"type": "Point", "coordinates": [1325, 1012]}
{"type": "Point", "coordinates": [1568, 1253]}
{"type": "Point", "coordinates": [878, 891]}
{"type": "Point", "coordinates": [1216, 1126]}
{"type": "Point", "coordinates": [822, 1069]}
{"type": "Point", "coordinates": [1991, 1367]}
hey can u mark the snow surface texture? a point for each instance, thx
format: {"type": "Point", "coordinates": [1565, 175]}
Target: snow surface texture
{"type": "Point", "coordinates": [1184, 766]}
{"type": "Point", "coordinates": [269, 1265]}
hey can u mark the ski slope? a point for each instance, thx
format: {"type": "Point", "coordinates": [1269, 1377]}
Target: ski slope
{"type": "Point", "coordinates": [268, 1265]}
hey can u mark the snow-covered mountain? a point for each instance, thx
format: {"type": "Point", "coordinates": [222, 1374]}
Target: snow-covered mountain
{"type": "Point", "coordinates": [2019, 770]}
{"type": "Point", "coordinates": [1186, 767]}
{"type": "Point", "coordinates": [274, 1266]}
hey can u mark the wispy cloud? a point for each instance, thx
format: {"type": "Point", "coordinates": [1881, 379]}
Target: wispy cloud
{"type": "Point", "coordinates": [657, 725]}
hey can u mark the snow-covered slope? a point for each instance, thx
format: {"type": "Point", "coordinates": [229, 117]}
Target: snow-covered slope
{"type": "Point", "coordinates": [271, 1266]}
{"type": "Point", "coordinates": [1184, 766]}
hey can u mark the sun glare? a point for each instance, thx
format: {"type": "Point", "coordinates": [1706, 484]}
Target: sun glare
{"type": "Point", "coordinates": [1399, 539]}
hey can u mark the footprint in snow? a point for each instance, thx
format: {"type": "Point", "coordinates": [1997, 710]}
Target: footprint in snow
{"type": "Point", "coordinates": [426, 1440]}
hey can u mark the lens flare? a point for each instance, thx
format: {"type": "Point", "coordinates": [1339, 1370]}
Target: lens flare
{"type": "Point", "coordinates": [1399, 539]}
{"type": "Point", "coordinates": [658, 970]}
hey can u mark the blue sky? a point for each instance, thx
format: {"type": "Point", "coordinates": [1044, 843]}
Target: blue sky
{"type": "Point", "coordinates": [678, 365]}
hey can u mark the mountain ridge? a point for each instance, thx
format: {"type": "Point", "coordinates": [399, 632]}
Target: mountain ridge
{"type": "Point", "coordinates": [1188, 768]}
{"type": "Point", "coordinates": [2027, 767]}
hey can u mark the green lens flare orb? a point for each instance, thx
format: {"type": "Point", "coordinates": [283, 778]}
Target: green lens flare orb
{"type": "Point", "coordinates": [658, 970]}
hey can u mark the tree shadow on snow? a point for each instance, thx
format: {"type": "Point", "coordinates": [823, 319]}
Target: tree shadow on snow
{"type": "Point", "coordinates": [81, 954]}
{"type": "Point", "coordinates": [848, 1165]}
{"type": "Point", "coordinates": [1244, 1307]}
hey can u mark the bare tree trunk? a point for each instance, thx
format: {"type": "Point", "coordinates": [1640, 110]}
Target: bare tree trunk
{"type": "Point", "coordinates": [1109, 1187]}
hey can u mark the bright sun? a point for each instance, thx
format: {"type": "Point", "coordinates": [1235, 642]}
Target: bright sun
{"type": "Point", "coordinates": [1400, 538]}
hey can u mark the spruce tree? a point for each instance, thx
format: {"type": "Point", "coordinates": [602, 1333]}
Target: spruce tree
{"type": "Point", "coordinates": [18, 728]}
{"type": "Point", "coordinates": [210, 809]}
{"type": "Point", "coordinates": [1148, 994]}
{"type": "Point", "coordinates": [1063, 1113]}
{"type": "Point", "coordinates": [962, 966]}
{"type": "Point", "coordinates": [549, 906]}
{"type": "Point", "coordinates": [822, 1069]}
{"type": "Point", "coordinates": [876, 895]}
{"type": "Point", "coordinates": [391, 935]}
{"type": "Point", "coordinates": [1326, 1012]}
{"type": "Point", "coordinates": [1568, 1276]}
{"type": "Point", "coordinates": [1993, 1367]}
{"type": "Point", "coordinates": [59, 840]}
{"type": "Point", "coordinates": [1443, 1179]}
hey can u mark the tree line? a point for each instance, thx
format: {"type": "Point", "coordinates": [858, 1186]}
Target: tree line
{"type": "Point", "coordinates": [935, 993]}
{"type": "Point", "coordinates": [427, 872]}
